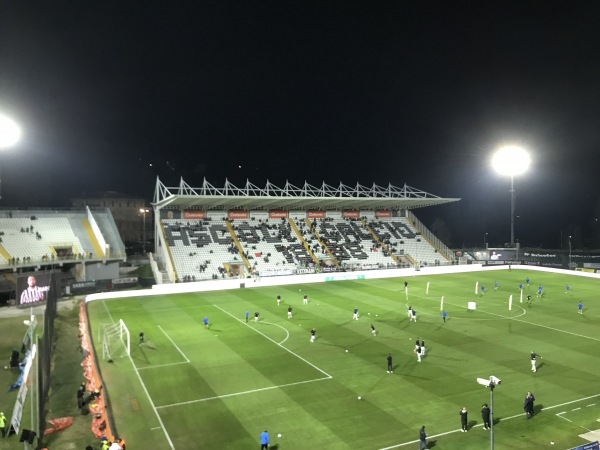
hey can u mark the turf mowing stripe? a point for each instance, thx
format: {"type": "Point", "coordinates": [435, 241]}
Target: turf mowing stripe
{"type": "Point", "coordinates": [276, 343]}
{"type": "Point", "coordinates": [162, 425]}
{"type": "Point", "coordinates": [234, 394]}
{"type": "Point", "coordinates": [178, 349]}
{"type": "Point", "coordinates": [501, 420]}
{"type": "Point", "coordinates": [163, 365]}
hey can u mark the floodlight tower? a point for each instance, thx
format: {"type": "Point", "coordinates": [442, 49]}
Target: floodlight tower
{"type": "Point", "coordinates": [10, 134]}
{"type": "Point", "coordinates": [511, 161]}
{"type": "Point", "coordinates": [143, 212]}
{"type": "Point", "coordinates": [491, 383]}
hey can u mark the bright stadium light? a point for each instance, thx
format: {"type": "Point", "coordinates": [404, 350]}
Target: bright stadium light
{"type": "Point", "coordinates": [10, 133]}
{"type": "Point", "coordinates": [511, 161]}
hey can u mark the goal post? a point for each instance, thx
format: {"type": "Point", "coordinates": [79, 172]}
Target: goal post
{"type": "Point", "coordinates": [116, 340]}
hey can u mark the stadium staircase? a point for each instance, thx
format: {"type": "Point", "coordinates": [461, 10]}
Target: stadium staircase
{"type": "Point", "coordinates": [323, 244]}
{"type": "Point", "coordinates": [168, 249]}
{"type": "Point", "coordinates": [303, 241]}
{"type": "Point", "coordinates": [238, 245]}
{"type": "Point", "coordinates": [385, 247]}
{"type": "Point", "coordinates": [438, 245]}
{"type": "Point", "coordinates": [90, 234]}
{"type": "Point", "coordinates": [4, 254]}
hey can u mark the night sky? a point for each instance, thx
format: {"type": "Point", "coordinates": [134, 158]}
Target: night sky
{"type": "Point", "coordinates": [111, 94]}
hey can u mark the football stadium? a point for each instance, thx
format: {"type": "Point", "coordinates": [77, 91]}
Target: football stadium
{"type": "Point", "coordinates": [310, 317]}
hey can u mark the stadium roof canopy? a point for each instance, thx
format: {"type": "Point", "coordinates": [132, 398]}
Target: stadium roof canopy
{"type": "Point", "coordinates": [291, 197]}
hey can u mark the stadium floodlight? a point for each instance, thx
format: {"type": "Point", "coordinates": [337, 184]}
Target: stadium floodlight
{"type": "Point", "coordinates": [491, 383]}
{"type": "Point", "coordinates": [10, 132]}
{"type": "Point", "coordinates": [511, 161]}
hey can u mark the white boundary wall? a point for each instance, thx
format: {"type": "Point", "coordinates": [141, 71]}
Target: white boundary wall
{"type": "Point", "coordinates": [249, 283]}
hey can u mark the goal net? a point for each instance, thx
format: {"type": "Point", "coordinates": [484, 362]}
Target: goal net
{"type": "Point", "coordinates": [116, 341]}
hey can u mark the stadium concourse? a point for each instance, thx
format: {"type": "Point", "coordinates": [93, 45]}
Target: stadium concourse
{"type": "Point", "coordinates": [213, 233]}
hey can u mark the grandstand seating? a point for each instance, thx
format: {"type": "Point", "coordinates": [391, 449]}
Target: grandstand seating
{"type": "Point", "coordinates": [202, 249]}
{"type": "Point", "coordinates": [403, 239]}
{"type": "Point", "coordinates": [40, 237]}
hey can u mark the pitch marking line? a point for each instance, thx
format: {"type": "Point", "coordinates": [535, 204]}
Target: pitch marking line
{"type": "Point", "coordinates": [276, 343]}
{"type": "Point", "coordinates": [162, 425]}
{"type": "Point", "coordinates": [501, 420]}
{"type": "Point", "coordinates": [560, 415]}
{"type": "Point", "coordinates": [172, 342]}
{"type": "Point", "coordinates": [287, 333]}
{"type": "Point", "coordinates": [556, 329]}
{"type": "Point", "coordinates": [234, 394]}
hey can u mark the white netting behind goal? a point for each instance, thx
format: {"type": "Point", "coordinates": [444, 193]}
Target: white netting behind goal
{"type": "Point", "coordinates": [116, 341]}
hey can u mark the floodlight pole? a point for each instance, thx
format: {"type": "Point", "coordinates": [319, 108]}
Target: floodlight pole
{"type": "Point", "coordinates": [143, 211]}
{"type": "Point", "coordinates": [570, 254]}
{"type": "Point", "coordinates": [485, 240]}
{"type": "Point", "coordinates": [512, 211]}
{"type": "Point", "coordinates": [492, 386]}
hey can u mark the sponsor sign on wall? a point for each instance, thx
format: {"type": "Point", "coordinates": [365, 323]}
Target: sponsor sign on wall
{"type": "Point", "coordinates": [383, 213]}
{"type": "Point", "coordinates": [237, 214]}
{"type": "Point", "coordinates": [194, 214]}
{"type": "Point", "coordinates": [350, 214]}
{"type": "Point", "coordinates": [278, 214]}
{"type": "Point", "coordinates": [315, 214]}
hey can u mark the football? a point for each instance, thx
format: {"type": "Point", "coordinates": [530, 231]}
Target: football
{"type": "Point", "coordinates": [279, 435]}
{"type": "Point", "coordinates": [359, 397]}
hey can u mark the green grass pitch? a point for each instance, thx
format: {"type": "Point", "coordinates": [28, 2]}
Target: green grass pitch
{"type": "Point", "coordinates": [189, 387]}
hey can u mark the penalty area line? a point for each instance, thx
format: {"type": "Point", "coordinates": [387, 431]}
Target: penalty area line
{"type": "Point", "coordinates": [160, 422]}
{"type": "Point", "coordinates": [234, 394]}
{"type": "Point", "coordinates": [172, 342]}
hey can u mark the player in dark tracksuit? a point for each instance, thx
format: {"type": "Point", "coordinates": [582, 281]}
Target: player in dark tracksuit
{"type": "Point", "coordinates": [528, 405]}
{"type": "Point", "coordinates": [463, 419]}
{"type": "Point", "coordinates": [485, 415]}
{"type": "Point", "coordinates": [390, 367]}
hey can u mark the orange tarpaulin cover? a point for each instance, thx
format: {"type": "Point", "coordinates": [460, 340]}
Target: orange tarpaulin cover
{"type": "Point", "coordinates": [100, 424]}
{"type": "Point", "coordinates": [59, 424]}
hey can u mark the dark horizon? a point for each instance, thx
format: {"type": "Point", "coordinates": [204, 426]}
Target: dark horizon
{"type": "Point", "coordinates": [111, 96]}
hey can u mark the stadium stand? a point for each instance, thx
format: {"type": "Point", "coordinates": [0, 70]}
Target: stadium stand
{"type": "Point", "coordinates": [206, 249]}
{"type": "Point", "coordinates": [41, 237]}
